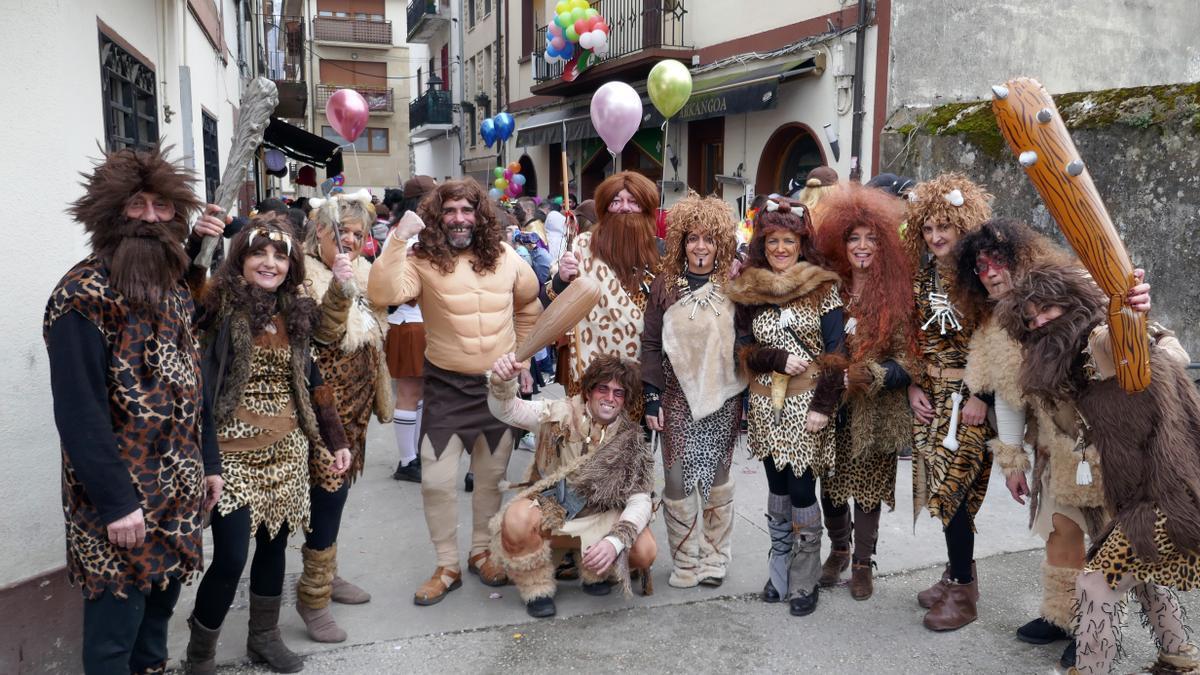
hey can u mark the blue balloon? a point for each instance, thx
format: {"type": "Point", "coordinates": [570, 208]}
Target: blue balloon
{"type": "Point", "coordinates": [487, 131]}
{"type": "Point", "coordinates": [568, 51]}
{"type": "Point", "coordinates": [519, 179]}
{"type": "Point", "coordinates": [505, 125]}
{"type": "Point", "coordinates": [495, 194]}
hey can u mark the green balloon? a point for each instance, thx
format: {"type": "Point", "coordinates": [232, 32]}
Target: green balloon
{"type": "Point", "coordinates": [578, 14]}
{"type": "Point", "coordinates": [570, 34]}
{"type": "Point", "coordinates": [563, 20]}
{"type": "Point", "coordinates": [498, 172]}
{"type": "Point", "coordinates": [670, 86]}
{"type": "Point", "coordinates": [589, 13]}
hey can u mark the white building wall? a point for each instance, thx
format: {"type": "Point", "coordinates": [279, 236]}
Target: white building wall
{"type": "Point", "coordinates": [51, 130]}
{"type": "Point", "coordinates": [708, 23]}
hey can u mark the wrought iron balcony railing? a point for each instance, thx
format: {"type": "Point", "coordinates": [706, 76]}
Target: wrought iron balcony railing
{"type": "Point", "coordinates": [378, 100]}
{"type": "Point", "coordinates": [346, 29]}
{"type": "Point", "coordinates": [634, 26]}
{"type": "Point", "coordinates": [432, 107]}
{"type": "Point", "coordinates": [283, 47]}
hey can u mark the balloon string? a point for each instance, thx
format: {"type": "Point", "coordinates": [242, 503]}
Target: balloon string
{"type": "Point", "coordinates": [353, 153]}
{"type": "Point", "coordinates": [662, 194]}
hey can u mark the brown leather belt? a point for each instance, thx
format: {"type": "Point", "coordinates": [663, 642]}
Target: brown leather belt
{"type": "Point", "coordinates": [939, 373]}
{"type": "Point", "coordinates": [273, 428]}
{"type": "Point", "coordinates": [796, 385]}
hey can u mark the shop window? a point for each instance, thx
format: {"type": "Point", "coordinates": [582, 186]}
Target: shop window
{"type": "Point", "coordinates": [212, 166]}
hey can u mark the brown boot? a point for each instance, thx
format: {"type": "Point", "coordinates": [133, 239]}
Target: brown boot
{"type": "Point", "coordinates": [838, 526]}
{"type": "Point", "coordinates": [314, 590]}
{"type": "Point", "coordinates": [956, 608]}
{"type": "Point", "coordinates": [930, 596]}
{"type": "Point", "coordinates": [201, 649]}
{"type": "Point", "coordinates": [836, 563]}
{"type": "Point", "coordinates": [345, 592]}
{"type": "Point", "coordinates": [264, 643]}
{"type": "Point", "coordinates": [862, 584]}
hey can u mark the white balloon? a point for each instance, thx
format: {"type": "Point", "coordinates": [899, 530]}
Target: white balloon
{"type": "Point", "coordinates": [585, 40]}
{"type": "Point", "coordinates": [600, 49]}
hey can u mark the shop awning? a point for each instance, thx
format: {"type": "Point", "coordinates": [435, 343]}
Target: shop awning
{"type": "Point", "coordinates": [303, 146]}
{"type": "Point", "coordinates": [734, 91]}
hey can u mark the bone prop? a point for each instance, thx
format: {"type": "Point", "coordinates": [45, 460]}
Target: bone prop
{"type": "Point", "coordinates": [567, 310]}
{"type": "Point", "coordinates": [779, 385]}
{"type": "Point", "coordinates": [950, 442]}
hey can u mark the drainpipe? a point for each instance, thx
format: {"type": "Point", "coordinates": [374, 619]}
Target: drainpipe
{"type": "Point", "coordinates": [860, 47]}
{"type": "Point", "coordinates": [498, 65]}
{"type": "Point", "coordinates": [456, 50]}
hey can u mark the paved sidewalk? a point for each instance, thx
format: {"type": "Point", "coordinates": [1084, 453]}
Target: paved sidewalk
{"type": "Point", "coordinates": [384, 547]}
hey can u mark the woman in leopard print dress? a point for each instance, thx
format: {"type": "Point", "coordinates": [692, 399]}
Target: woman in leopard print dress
{"type": "Point", "coordinates": [269, 408]}
{"type": "Point", "coordinates": [950, 472]}
{"type": "Point", "coordinates": [693, 387]}
{"type": "Point", "coordinates": [859, 237]}
{"type": "Point", "coordinates": [791, 311]}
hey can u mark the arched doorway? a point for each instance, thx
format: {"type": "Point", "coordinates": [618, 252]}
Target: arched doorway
{"type": "Point", "coordinates": [530, 173]}
{"type": "Point", "coordinates": [791, 152]}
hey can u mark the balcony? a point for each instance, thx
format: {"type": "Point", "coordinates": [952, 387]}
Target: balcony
{"type": "Point", "coordinates": [378, 100]}
{"type": "Point", "coordinates": [358, 32]}
{"type": "Point", "coordinates": [431, 114]}
{"type": "Point", "coordinates": [426, 18]}
{"type": "Point", "coordinates": [641, 33]}
{"type": "Point", "coordinates": [284, 59]}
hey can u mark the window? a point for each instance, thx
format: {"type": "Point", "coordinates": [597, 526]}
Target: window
{"type": "Point", "coordinates": [373, 139]}
{"type": "Point", "coordinates": [487, 7]}
{"type": "Point", "coordinates": [212, 166]}
{"type": "Point", "coordinates": [470, 13]}
{"type": "Point", "coordinates": [473, 133]}
{"type": "Point", "coordinates": [129, 97]}
{"type": "Point", "coordinates": [485, 72]}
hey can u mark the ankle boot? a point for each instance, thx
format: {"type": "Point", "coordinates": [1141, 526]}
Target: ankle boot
{"type": "Point", "coordinates": [779, 526]}
{"type": "Point", "coordinates": [201, 648]}
{"type": "Point", "coordinates": [862, 583]}
{"type": "Point", "coordinates": [930, 596]}
{"type": "Point", "coordinates": [263, 643]}
{"type": "Point", "coordinates": [838, 526]}
{"type": "Point", "coordinates": [683, 536]}
{"type": "Point", "coordinates": [313, 592]}
{"type": "Point", "coordinates": [956, 608]}
{"type": "Point", "coordinates": [805, 570]}
{"type": "Point", "coordinates": [345, 592]}
{"type": "Point", "coordinates": [716, 546]}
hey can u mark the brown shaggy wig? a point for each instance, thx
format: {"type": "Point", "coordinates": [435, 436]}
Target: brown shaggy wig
{"type": "Point", "coordinates": [928, 203]}
{"type": "Point", "coordinates": [625, 241]}
{"type": "Point", "coordinates": [699, 215]}
{"type": "Point", "coordinates": [885, 305]}
{"type": "Point", "coordinates": [144, 259]}
{"type": "Point", "coordinates": [230, 292]}
{"type": "Point", "coordinates": [791, 216]}
{"type": "Point", "coordinates": [486, 242]}
{"type": "Point", "coordinates": [1052, 352]}
{"type": "Point", "coordinates": [605, 368]}
{"type": "Point", "coordinates": [1007, 241]}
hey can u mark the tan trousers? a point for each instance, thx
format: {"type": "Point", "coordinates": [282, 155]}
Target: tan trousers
{"type": "Point", "coordinates": [439, 493]}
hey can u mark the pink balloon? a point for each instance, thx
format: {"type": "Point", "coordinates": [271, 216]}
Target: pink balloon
{"type": "Point", "coordinates": [347, 112]}
{"type": "Point", "coordinates": [558, 43]}
{"type": "Point", "coordinates": [616, 114]}
{"type": "Point", "coordinates": [508, 174]}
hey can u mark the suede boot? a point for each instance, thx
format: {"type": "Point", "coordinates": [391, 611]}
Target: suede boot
{"type": "Point", "coordinates": [716, 546]}
{"type": "Point", "coordinates": [779, 525]}
{"type": "Point", "coordinates": [956, 608]}
{"type": "Point", "coordinates": [838, 526]}
{"type": "Point", "coordinates": [313, 593]}
{"type": "Point", "coordinates": [805, 570]}
{"type": "Point", "coordinates": [345, 592]}
{"type": "Point", "coordinates": [683, 536]}
{"type": "Point", "coordinates": [866, 533]}
{"type": "Point", "coordinates": [201, 649]}
{"type": "Point", "coordinates": [930, 596]}
{"type": "Point", "coordinates": [263, 643]}
{"type": "Point", "coordinates": [1056, 617]}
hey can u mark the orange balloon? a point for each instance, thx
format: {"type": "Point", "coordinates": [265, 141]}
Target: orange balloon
{"type": "Point", "coordinates": [515, 167]}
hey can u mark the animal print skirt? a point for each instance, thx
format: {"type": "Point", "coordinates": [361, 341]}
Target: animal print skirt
{"type": "Point", "coordinates": [704, 446]}
{"type": "Point", "coordinates": [1115, 558]}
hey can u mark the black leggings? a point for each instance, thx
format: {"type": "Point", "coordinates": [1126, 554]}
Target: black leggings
{"type": "Point", "coordinates": [326, 517]}
{"type": "Point", "coordinates": [802, 489]}
{"type": "Point", "coordinates": [960, 545]}
{"type": "Point", "coordinates": [231, 546]}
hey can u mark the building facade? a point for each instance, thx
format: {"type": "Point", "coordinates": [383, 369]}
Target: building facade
{"type": "Point", "coordinates": [435, 34]}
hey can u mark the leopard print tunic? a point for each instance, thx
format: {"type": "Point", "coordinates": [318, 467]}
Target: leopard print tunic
{"type": "Point", "coordinates": [787, 443]}
{"type": "Point", "coordinates": [1115, 558]}
{"type": "Point", "coordinates": [943, 479]}
{"type": "Point", "coordinates": [869, 479]}
{"type": "Point", "coordinates": [352, 377]}
{"type": "Point", "coordinates": [272, 480]}
{"type": "Point", "coordinates": [154, 403]}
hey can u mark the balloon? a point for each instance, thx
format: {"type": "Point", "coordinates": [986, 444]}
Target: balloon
{"type": "Point", "coordinates": [561, 6]}
{"type": "Point", "coordinates": [347, 112]}
{"type": "Point", "coordinates": [514, 167]}
{"type": "Point", "coordinates": [563, 20]}
{"type": "Point", "coordinates": [580, 26]}
{"type": "Point", "coordinates": [514, 190]}
{"type": "Point", "coordinates": [275, 160]}
{"type": "Point", "coordinates": [579, 4]}
{"type": "Point", "coordinates": [497, 172]}
{"type": "Point", "coordinates": [505, 125]}
{"type": "Point", "coordinates": [508, 174]}
{"type": "Point", "coordinates": [487, 131]}
{"type": "Point", "coordinates": [500, 184]}
{"type": "Point", "coordinates": [558, 43]}
{"type": "Point", "coordinates": [571, 35]}
{"type": "Point", "coordinates": [554, 29]}
{"type": "Point", "coordinates": [600, 49]}
{"type": "Point", "coordinates": [669, 85]}
{"type": "Point", "coordinates": [495, 194]}
{"type": "Point", "coordinates": [585, 40]}
{"type": "Point", "coordinates": [591, 13]}
{"type": "Point", "coordinates": [567, 52]}
{"type": "Point", "coordinates": [616, 114]}
{"type": "Point", "coordinates": [578, 14]}
{"type": "Point", "coordinates": [519, 179]}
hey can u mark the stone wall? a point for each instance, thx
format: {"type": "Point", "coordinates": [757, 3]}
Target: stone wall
{"type": "Point", "coordinates": [1142, 148]}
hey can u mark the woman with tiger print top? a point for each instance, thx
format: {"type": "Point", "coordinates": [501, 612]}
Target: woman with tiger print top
{"type": "Point", "coordinates": [269, 406]}
{"type": "Point", "coordinates": [792, 312]}
{"type": "Point", "coordinates": [950, 466]}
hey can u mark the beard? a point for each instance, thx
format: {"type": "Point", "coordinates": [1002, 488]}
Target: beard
{"type": "Point", "coordinates": [145, 260]}
{"type": "Point", "coordinates": [625, 242]}
{"type": "Point", "coordinates": [1051, 356]}
{"type": "Point", "coordinates": [459, 241]}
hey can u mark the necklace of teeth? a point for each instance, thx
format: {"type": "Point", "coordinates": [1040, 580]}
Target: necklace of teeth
{"type": "Point", "coordinates": [708, 301]}
{"type": "Point", "coordinates": [943, 312]}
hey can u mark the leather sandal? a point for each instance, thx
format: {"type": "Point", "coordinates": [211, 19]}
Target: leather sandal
{"type": "Point", "coordinates": [488, 572]}
{"type": "Point", "coordinates": [436, 587]}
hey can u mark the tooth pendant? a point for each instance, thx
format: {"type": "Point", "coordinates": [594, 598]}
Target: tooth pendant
{"type": "Point", "coordinates": [943, 312]}
{"type": "Point", "coordinates": [786, 317]}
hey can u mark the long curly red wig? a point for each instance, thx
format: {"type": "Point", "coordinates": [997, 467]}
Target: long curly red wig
{"type": "Point", "coordinates": [884, 307]}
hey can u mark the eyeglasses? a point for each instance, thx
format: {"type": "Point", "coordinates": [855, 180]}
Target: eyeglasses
{"type": "Point", "coordinates": [274, 235]}
{"type": "Point", "coordinates": [984, 264]}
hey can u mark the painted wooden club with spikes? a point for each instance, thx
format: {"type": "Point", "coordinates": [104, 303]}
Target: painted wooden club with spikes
{"type": "Point", "coordinates": [1035, 131]}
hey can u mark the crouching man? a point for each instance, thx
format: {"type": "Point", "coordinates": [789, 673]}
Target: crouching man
{"type": "Point", "coordinates": [589, 485]}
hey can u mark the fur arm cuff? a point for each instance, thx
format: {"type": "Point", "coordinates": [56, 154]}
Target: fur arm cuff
{"type": "Point", "coordinates": [328, 421]}
{"type": "Point", "coordinates": [625, 532]}
{"type": "Point", "coordinates": [335, 309]}
{"type": "Point", "coordinates": [864, 379]}
{"type": "Point", "coordinates": [1010, 458]}
{"type": "Point", "coordinates": [758, 359]}
{"type": "Point", "coordinates": [830, 383]}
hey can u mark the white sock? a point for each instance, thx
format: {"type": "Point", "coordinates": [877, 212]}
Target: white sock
{"type": "Point", "coordinates": [404, 421]}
